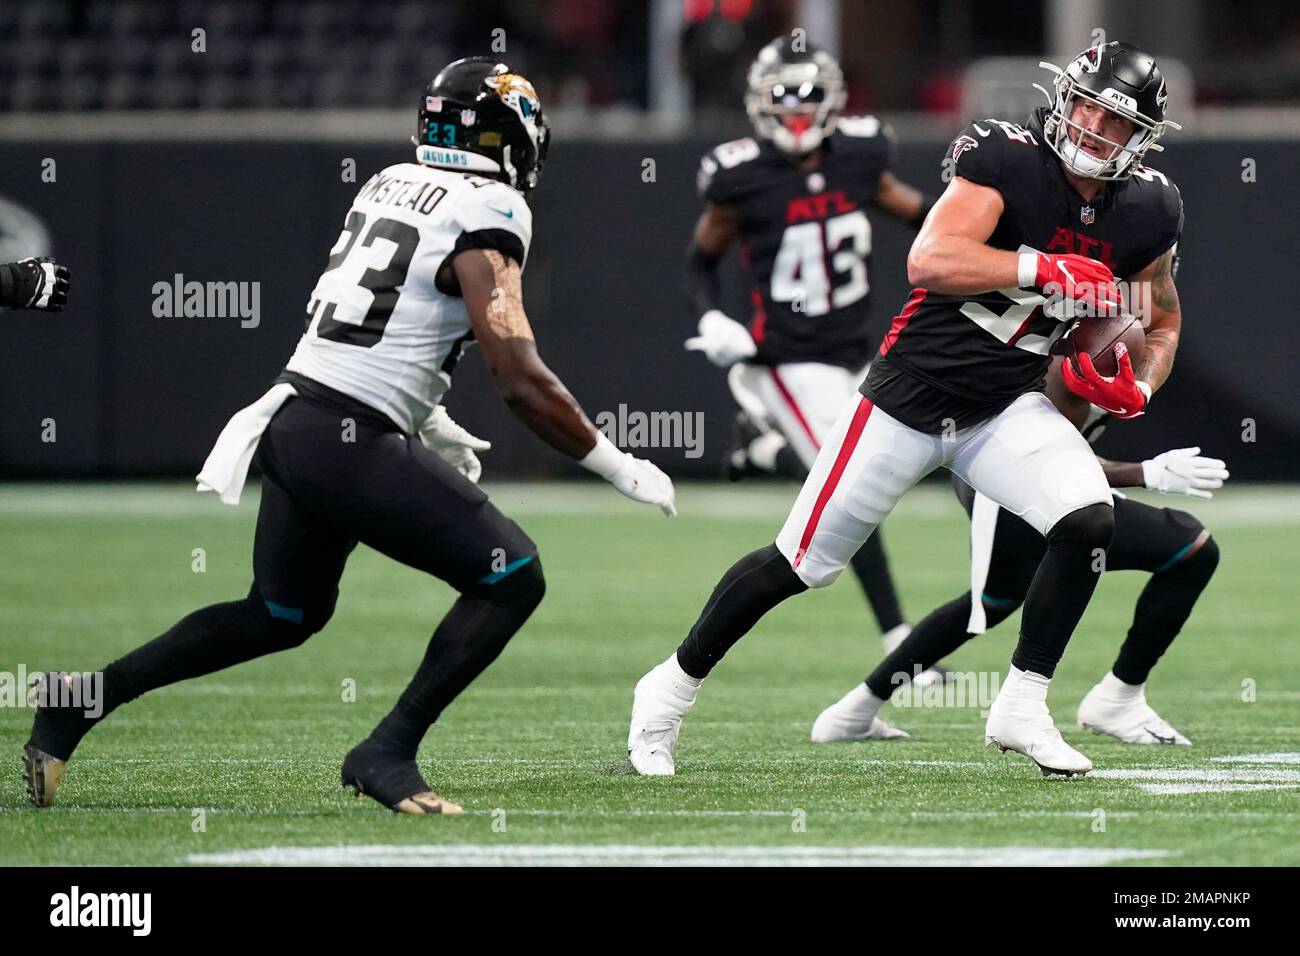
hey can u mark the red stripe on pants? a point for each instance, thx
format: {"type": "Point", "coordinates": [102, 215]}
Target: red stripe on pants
{"type": "Point", "coordinates": [789, 400]}
{"type": "Point", "coordinates": [858, 423]}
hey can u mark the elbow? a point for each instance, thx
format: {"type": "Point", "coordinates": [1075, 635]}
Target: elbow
{"type": "Point", "coordinates": [519, 388]}
{"type": "Point", "coordinates": [925, 261]}
{"type": "Point", "coordinates": [920, 266]}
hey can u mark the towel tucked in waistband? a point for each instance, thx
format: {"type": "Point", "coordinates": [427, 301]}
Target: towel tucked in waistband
{"type": "Point", "coordinates": [226, 469]}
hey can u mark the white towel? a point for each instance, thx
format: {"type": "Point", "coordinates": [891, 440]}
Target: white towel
{"type": "Point", "coordinates": [226, 469]}
{"type": "Point", "coordinates": [983, 524]}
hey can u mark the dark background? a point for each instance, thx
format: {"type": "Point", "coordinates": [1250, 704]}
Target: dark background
{"type": "Point", "coordinates": [132, 394]}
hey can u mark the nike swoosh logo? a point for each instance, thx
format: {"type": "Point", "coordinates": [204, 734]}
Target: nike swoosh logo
{"type": "Point", "coordinates": [980, 130]}
{"type": "Point", "coordinates": [1163, 740]}
{"type": "Point", "coordinates": [508, 213]}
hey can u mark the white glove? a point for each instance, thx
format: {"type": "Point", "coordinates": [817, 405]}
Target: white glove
{"type": "Point", "coordinates": [1183, 471]}
{"type": "Point", "coordinates": [637, 478]}
{"type": "Point", "coordinates": [722, 339]}
{"type": "Point", "coordinates": [453, 444]}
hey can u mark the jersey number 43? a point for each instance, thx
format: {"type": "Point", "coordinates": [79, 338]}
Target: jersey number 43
{"type": "Point", "coordinates": [811, 252]}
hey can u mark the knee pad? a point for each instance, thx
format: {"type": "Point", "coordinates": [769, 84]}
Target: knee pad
{"type": "Point", "coordinates": [1088, 527]}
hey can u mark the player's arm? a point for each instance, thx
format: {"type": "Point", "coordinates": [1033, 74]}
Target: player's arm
{"type": "Point", "coordinates": [491, 286]}
{"type": "Point", "coordinates": [1166, 322]}
{"type": "Point", "coordinates": [722, 339]}
{"type": "Point", "coordinates": [951, 255]}
{"type": "Point", "coordinates": [715, 231]}
{"type": "Point", "coordinates": [1121, 474]}
{"type": "Point", "coordinates": [34, 284]}
{"type": "Point", "coordinates": [905, 203]}
{"type": "Point", "coordinates": [1179, 471]}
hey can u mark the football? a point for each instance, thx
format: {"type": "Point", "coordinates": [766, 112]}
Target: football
{"type": "Point", "coordinates": [1098, 338]}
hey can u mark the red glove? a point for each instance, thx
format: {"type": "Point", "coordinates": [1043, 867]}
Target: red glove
{"type": "Point", "coordinates": [1120, 396]}
{"type": "Point", "coordinates": [1077, 278]}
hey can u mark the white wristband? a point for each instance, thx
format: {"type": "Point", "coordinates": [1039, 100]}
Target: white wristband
{"type": "Point", "coordinates": [605, 459]}
{"type": "Point", "coordinates": [1027, 270]}
{"type": "Point", "coordinates": [1145, 389]}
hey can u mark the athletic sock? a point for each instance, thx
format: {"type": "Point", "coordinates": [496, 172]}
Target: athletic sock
{"type": "Point", "coordinates": [1115, 689]}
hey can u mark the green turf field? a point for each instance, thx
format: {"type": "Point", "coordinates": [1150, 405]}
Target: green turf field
{"type": "Point", "coordinates": [535, 748]}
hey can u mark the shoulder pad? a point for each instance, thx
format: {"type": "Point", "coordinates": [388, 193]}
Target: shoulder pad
{"type": "Point", "coordinates": [721, 159]}
{"type": "Point", "coordinates": [861, 126]}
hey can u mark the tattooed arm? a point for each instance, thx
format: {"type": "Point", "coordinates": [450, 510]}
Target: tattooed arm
{"type": "Point", "coordinates": [490, 284]}
{"type": "Point", "coordinates": [1166, 321]}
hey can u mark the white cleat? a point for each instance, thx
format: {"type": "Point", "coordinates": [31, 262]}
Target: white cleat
{"type": "Point", "coordinates": [1121, 710]}
{"type": "Point", "coordinates": [853, 717]}
{"type": "Point", "coordinates": [1019, 721]}
{"type": "Point", "coordinates": [660, 701]}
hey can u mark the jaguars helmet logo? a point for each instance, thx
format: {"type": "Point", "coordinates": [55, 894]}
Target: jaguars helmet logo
{"type": "Point", "coordinates": [517, 93]}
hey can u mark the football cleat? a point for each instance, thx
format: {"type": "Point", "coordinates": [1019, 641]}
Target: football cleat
{"type": "Point", "coordinates": [660, 701]}
{"type": "Point", "coordinates": [853, 717]}
{"type": "Point", "coordinates": [41, 775]}
{"type": "Point", "coordinates": [1122, 711]}
{"type": "Point", "coordinates": [56, 731]}
{"type": "Point", "coordinates": [393, 781]}
{"type": "Point", "coordinates": [1019, 721]}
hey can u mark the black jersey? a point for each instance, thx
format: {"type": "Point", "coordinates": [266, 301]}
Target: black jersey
{"type": "Point", "coordinates": [955, 360]}
{"type": "Point", "coordinates": [805, 240]}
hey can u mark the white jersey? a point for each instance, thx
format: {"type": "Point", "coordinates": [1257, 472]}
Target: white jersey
{"type": "Point", "coordinates": [380, 329]}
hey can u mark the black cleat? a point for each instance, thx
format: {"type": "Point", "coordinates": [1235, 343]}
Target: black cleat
{"type": "Point", "coordinates": [41, 775]}
{"type": "Point", "coordinates": [57, 728]}
{"type": "Point", "coordinates": [396, 783]}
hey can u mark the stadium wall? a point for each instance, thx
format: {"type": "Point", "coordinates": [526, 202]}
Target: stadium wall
{"type": "Point", "coordinates": [131, 392]}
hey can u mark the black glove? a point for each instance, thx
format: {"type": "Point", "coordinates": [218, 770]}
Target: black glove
{"type": "Point", "coordinates": [34, 284]}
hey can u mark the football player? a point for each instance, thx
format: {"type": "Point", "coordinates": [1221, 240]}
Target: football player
{"type": "Point", "coordinates": [1173, 546]}
{"type": "Point", "coordinates": [34, 284]}
{"type": "Point", "coordinates": [795, 198]}
{"type": "Point", "coordinates": [1030, 233]}
{"type": "Point", "coordinates": [430, 259]}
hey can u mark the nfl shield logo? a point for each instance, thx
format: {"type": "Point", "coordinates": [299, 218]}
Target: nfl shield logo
{"type": "Point", "coordinates": [467, 117]}
{"type": "Point", "coordinates": [1086, 215]}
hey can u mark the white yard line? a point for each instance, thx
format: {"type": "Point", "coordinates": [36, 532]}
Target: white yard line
{"type": "Point", "coordinates": [1260, 758]}
{"type": "Point", "coordinates": [465, 854]}
{"type": "Point", "coordinates": [1178, 789]}
{"type": "Point", "coordinates": [611, 814]}
{"type": "Point", "coordinates": [1243, 774]}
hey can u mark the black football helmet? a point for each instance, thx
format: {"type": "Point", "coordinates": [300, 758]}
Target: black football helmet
{"type": "Point", "coordinates": [795, 94]}
{"type": "Point", "coordinates": [1120, 78]}
{"type": "Point", "coordinates": [479, 116]}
